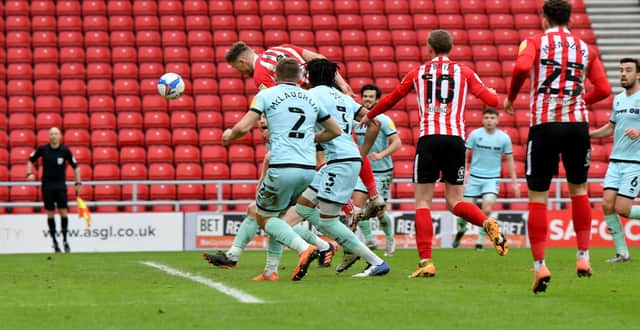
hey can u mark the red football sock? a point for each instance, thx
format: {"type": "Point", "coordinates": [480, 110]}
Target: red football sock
{"type": "Point", "coordinates": [537, 229]}
{"type": "Point", "coordinates": [424, 233]}
{"type": "Point", "coordinates": [366, 174]}
{"type": "Point", "coordinates": [581, 210]}
{"type": "Point", "coordinates": [470, 212]}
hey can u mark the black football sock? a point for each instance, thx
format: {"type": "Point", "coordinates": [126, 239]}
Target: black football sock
{"type": "Point", "coordinates": [64, 222]}
{"type": "Point", "coordinates": [52, 229]}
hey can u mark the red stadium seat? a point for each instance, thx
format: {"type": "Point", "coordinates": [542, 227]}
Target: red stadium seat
{"type": "Point", "coordinates": [187, 154]}
{"type": "Point", "coordinates": [197, 23]}
{"type": "Point", "coordinates": [183, 119]}
{"type": "Point", "coordinates": [156, 119]}
{"type": "Point", "coordinates": [188, 171]}
{"type": "Point", "coordinates": [158, 136]}
{"type": "Point", "coordinates": [99, 70]}
{"type": "Point", "coordinates": [185, 136]}
{"type": "Point", "coordinates": [274, 22]}
{"type": "Point", "coordinates": [162, 192]}
{"type": "Point", "coordinates": [126, 87]}
{"type": "Point", "coordinates": [103, 138]}
{"type": "Point", "coordinates": [76, 120]}
{"type": "Point", "coordinates": [214, 153]}
{"type": "Point", "coordinates": [142, 192]}
{"type": "Point", "coordinates": [523, 6]}
{"type": "Point", "coordinates": [241, 153]}
{"type": "Point", "coordinates": [133, 172]}
{"type": "Point", "coordinates": [507, 52]}
{"type": "Point", "coordinates": [20, 88]}
{"type": "Point", "coordinates": [95, 38]}
{"type": "Point", "coordinates": [103, 120]}
{"type": "Point", "coordinates": [130, 120]}
{"type": "Point", "coordinates": [20, 71]}
{"type": "Point", "coordinates": [276, 37]}
{"type": "Point", "coordinates": [159, 154]}
{"type": "Point", "coordinates": [19, 155]}
{"type": "Point", "coordinates": [161, 171]}
{"type": "Point", "coordinates": [45, 120]}
{"type": "Point", "coordinates": [498, 6]}
{"type": "Point", "coordinates": [39, 8]}
{"type": "Point", "coordinates": [209, 119]}
{"type": "Point", "coordinates": [247, 22]}
{"type": "Point", "coordinates": [106, 172]}
{"type": "Point", "coordinates": [19, 55]}
{"type": "Point", "coordinates": [143, 23]}
{"type": "Point", "coordinates": [132, 154]}
{"type": "Point", "coordinates": [148, 38]}
{"type": "Point", "coordinates": [207, 103]}
{"type": "Point", "coordinates": [355, 37]}
{"type": "Point", "coordinates": [128, 103]}
{"type": "Point", "coordinates": [18, 39]}
{"type": "Point", "coordinates": [98, 87]}
{"type": "Point", "coordinates": [403, 169]}
{"type": "Point", "coordinates": [527, 21]}
{"type": "Point", "coordinates": [378, 37]}
{"type": "Point", "coordinates": [451, 21]}
{"type": "Point", "coordinates": [210, 136]}
{"type": "Point", "coordinates": [215, 171]}
{"type": "Point", "coordinates": [107, 192]}
{"type": "Point", "coordinates": [72, 54]}
{"type": "Point", "coordinates": [242, 171]}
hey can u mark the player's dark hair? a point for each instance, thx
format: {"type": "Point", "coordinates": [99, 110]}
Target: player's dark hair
{"type": "Point", "coordinates": [371, 87]}
{"type": "Point", "coordinates": [236, 50]}
{"type": "Point", "coordinates": [440, 41]}
{"type": "Point", "coordinates": [557, 12]}
{"type": "Point", "coordinates": [490, 111]}
{"type": "Point", "coordinates": [288, 70]}
{"type": "Point", "coordinates": [631, 60]}
{"type": "Point", "coordinates": [322, 72]}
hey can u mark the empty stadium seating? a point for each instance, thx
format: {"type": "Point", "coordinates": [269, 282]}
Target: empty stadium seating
{"type": "Point", "coordinates": [91, 68]}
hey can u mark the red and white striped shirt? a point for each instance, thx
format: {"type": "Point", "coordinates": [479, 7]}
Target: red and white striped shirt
{"type": "Point", "coordinates": [441, 87]}
{"type": "Point", "coordinates": [557, 63]}
{"type": "Point", "coordinates": [264, 68]}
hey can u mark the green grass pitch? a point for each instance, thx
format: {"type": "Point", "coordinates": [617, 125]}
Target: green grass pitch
{"type": "Point", "coordinates": [472, 290]}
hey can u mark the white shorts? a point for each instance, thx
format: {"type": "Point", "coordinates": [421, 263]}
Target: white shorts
{"type": "Point", "coordinates": [624, 178]}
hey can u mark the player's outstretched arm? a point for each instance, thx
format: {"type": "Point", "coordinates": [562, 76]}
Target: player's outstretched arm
{"type": "Point", "coordinates": [330, 131]}
{"type": "Point", "coordinates": [605, 131]}
{"type": "Point", "coordinates": [526, 56]}
{"type": "Point", "coordinates": [394, 145]}
{"type": "Point", "coordinates": [373, 128]}
{"type": "Point", "coordinates": [597, 75]}
{"type": "Point", "coordinates": [479, 90]}
{"type": "Point", "coordinates": [241, 128]}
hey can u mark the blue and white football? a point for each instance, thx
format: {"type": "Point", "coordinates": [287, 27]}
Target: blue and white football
{"type": "Point", "coordinates": [170, 85]}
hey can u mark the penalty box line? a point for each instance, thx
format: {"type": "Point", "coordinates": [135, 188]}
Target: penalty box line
{"type": "Point", "coordinates": [239, 295]}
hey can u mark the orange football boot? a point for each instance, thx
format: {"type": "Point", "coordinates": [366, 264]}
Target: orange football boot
{"type": "Point", "coordinates": [425, 269]}
{"type": "Point", "coordinates": [263, 277]}
{"type": "Point", "coordinates": [541, 280]}
{"type": "Point", "coordinates": [499, 241]}
{"type": "Point", "coordinates": [304, 260]}
{"type": "Point", "coordinates": [583, 267]}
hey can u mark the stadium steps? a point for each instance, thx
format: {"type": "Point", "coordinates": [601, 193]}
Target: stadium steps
{"type": "Point", "coordinates": [616, 24]}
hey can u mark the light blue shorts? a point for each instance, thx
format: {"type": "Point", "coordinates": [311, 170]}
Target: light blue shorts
{"type": "Point", "coordinates": [478, 187]}
{"type": "Point", "coordinates": [383, 183]}
{"type": "Point", "coordinates": [623, 177]}
{"type": "Point", "coordinates": [281, 188]}
{"type": "Point", "coordinates": [335, 182]}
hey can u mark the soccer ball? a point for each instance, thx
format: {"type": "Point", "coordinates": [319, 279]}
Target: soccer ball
{"type": "Point", "coordinates": [170, 85]}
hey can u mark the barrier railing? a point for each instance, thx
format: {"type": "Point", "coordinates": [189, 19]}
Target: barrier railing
{"type": "Point", "coordinates": [555, 201]}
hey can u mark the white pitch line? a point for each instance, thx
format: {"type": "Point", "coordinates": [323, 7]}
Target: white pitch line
{"type": "Point", "coordinates": [239, 295]}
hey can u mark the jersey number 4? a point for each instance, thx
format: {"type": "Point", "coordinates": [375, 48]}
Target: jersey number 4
{"type": "Point", "coordinates": [294, 133]}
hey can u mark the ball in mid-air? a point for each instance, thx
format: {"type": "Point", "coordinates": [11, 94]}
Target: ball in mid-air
{"type": "Point", "coordinates": [170, 85]}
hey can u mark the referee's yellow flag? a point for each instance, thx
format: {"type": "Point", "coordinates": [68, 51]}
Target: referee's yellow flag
{"type": "Point", "coordinates": [83, 211]}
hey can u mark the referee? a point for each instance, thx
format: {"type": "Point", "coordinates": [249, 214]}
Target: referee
{"type": "Point", "coordinates": [54, 190]}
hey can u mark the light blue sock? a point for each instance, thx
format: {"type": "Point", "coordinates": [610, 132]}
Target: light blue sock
{"type": "Point", "coordinates": [481, 236]}
{"type": "Point", "coordinates": [615, 228]}
{"type": "Point", "coordinates": [462, 225]}
{"type": "Point", "coordinates": [274, 253]}
{"type": "Point", "coordinates": [283, 233]}
{"type": "Point", "coordinates": [386, 224]}
{"type": "Point", "coordinates": [248, 229]}
{"type": "Point", "coordinates": [311, 214]}
{"type": "Point", "coordinates": [365, 227]}
{"type": "Point", "coordinates": [310, 237]}
{"type": "Point", "coordinates": [345, 237]}
{"type": "Point", "coordinates": [635, 212]}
